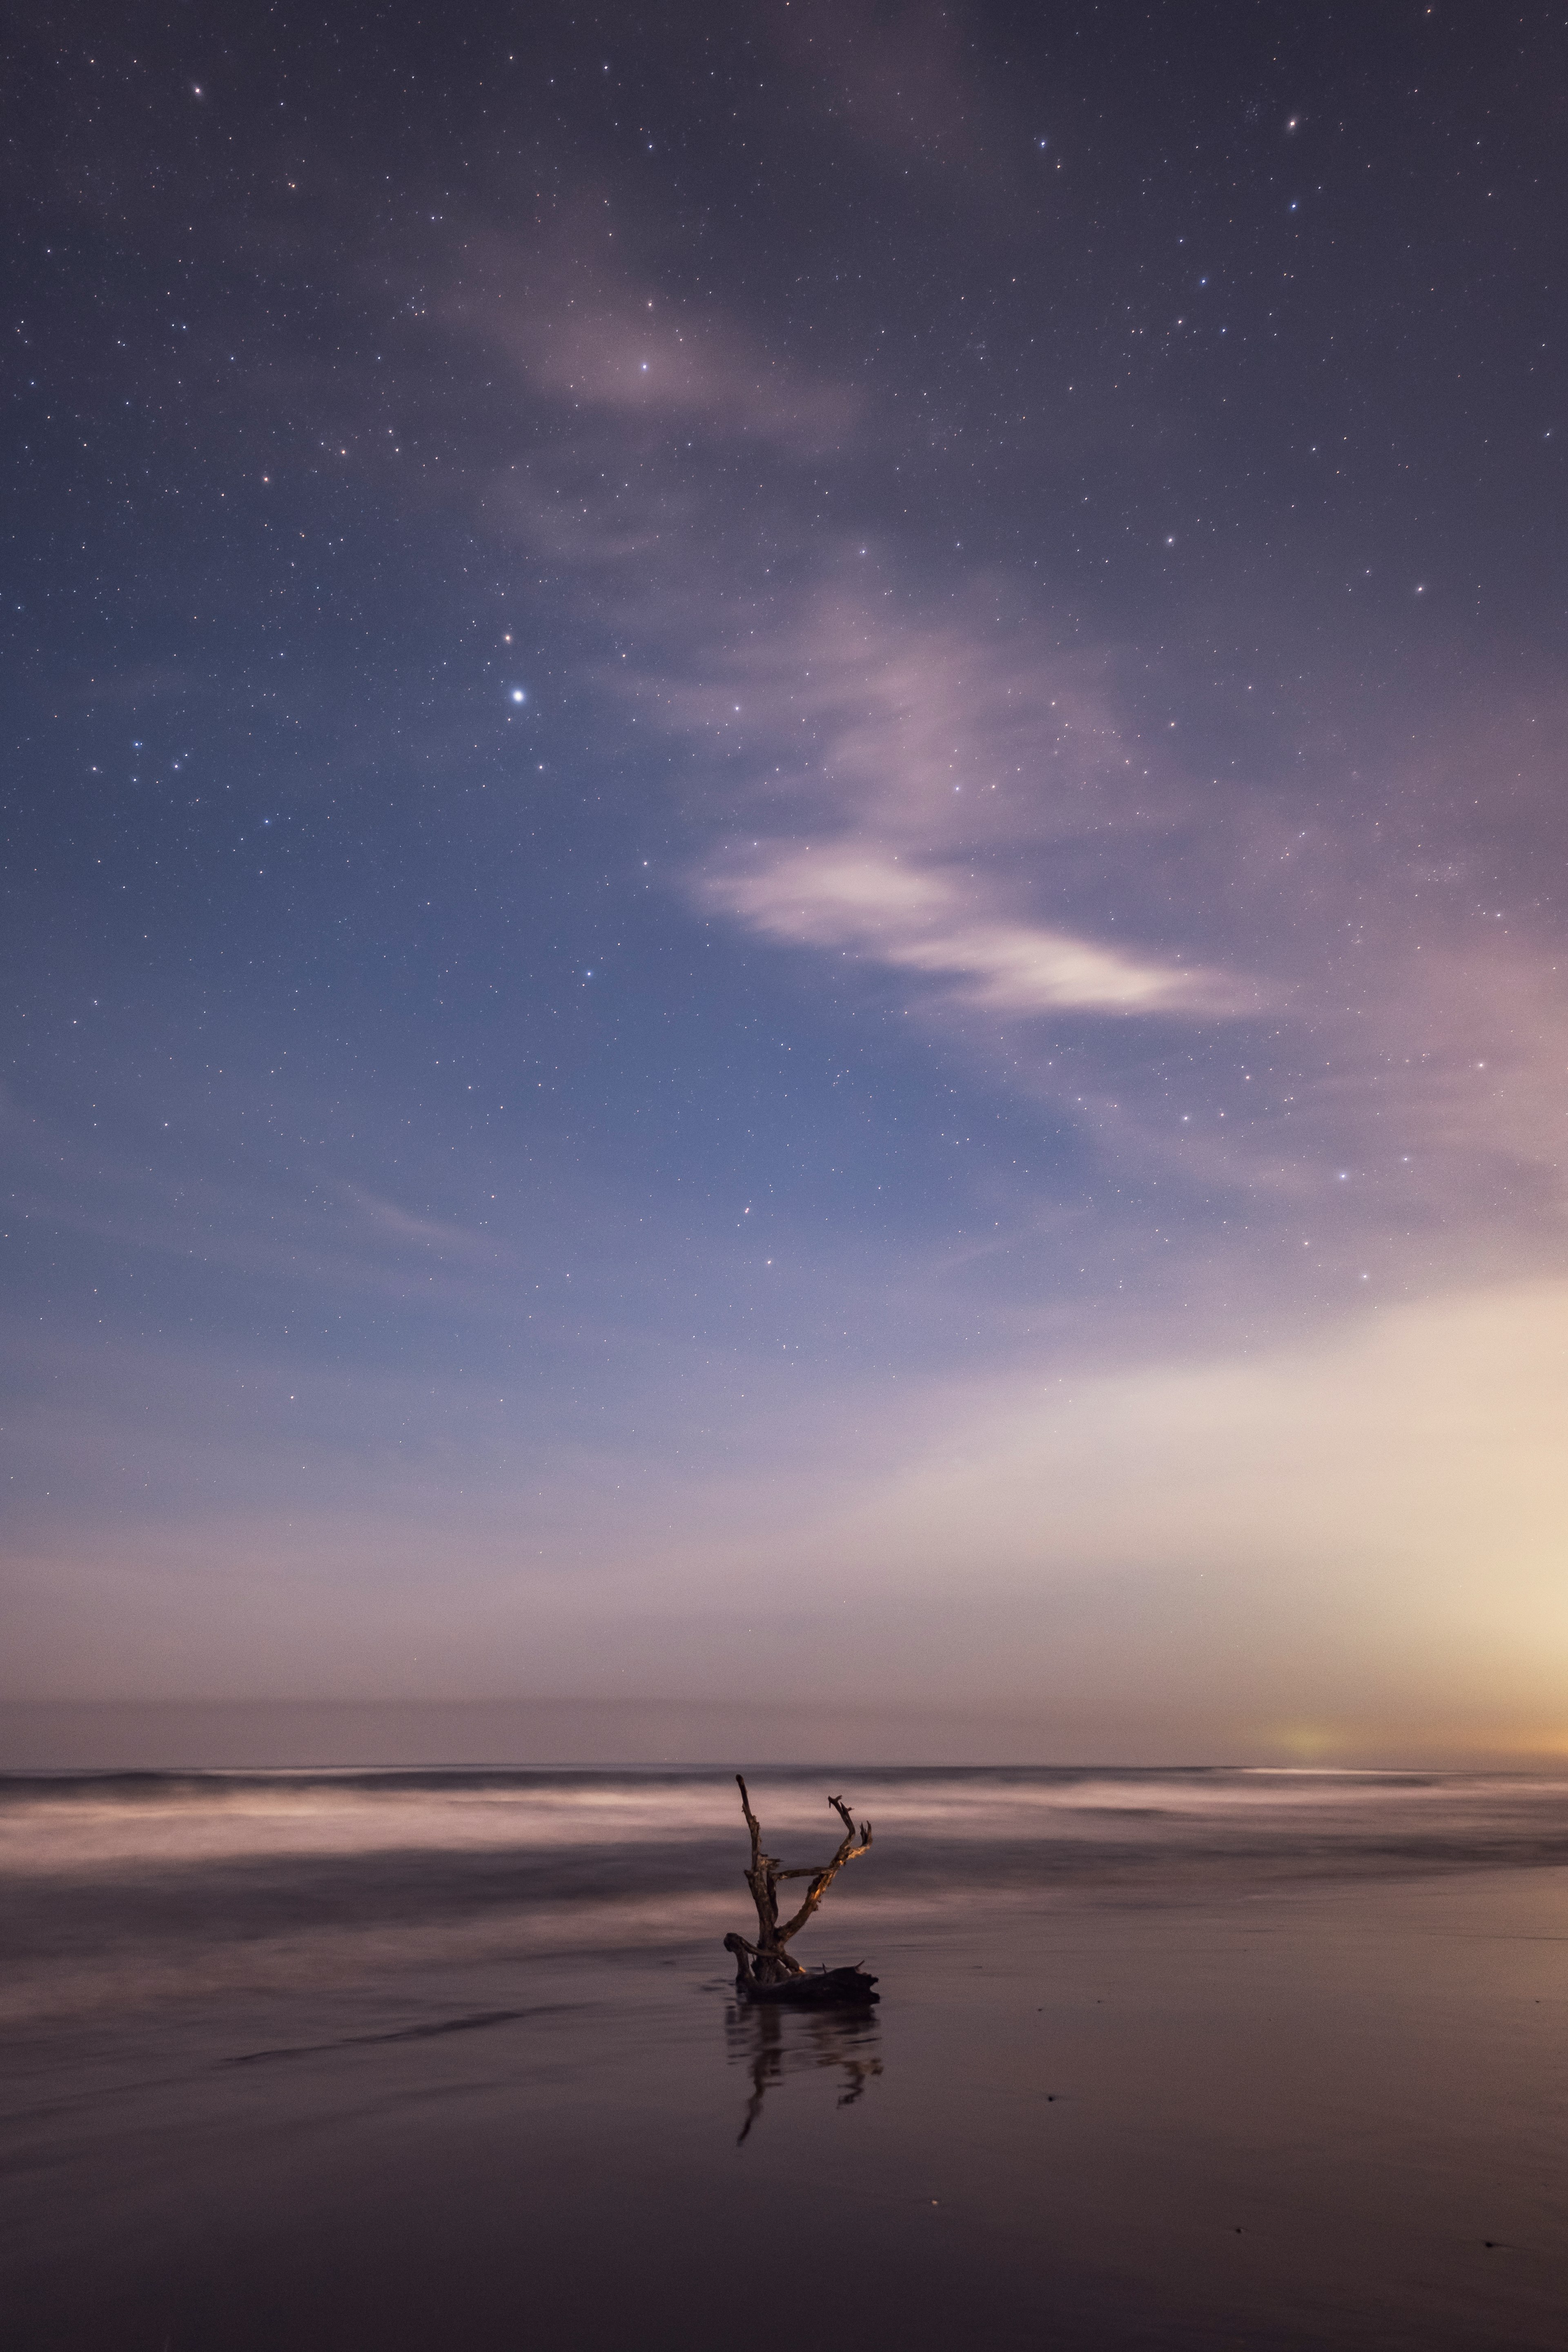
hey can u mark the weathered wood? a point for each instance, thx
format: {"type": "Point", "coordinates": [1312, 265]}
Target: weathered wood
{"type": "Point", "coordinates": [766, 1970]}
{"type": "Point", "coordinates": [807, 1988]}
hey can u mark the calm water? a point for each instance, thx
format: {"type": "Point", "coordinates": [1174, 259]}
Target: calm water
{"type": "Point", "coordinates": [415, 2060]}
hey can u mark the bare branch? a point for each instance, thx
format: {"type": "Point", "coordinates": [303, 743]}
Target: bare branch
{"type": "Point", "coordinates": [762, 1880]}
{"type": "Point", "coordinates": [752, 1821]}
{"type": "Point", "coordinates": [841, 1858]}
{"type": "Point", "coordinates": [821, 1879]}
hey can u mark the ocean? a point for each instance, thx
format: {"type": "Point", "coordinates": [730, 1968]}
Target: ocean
{"type": "Point", "coordinates": [1201, 2058]}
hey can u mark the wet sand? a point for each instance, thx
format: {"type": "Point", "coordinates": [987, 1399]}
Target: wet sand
{"type": "Point", "coordinates": [1186, 2064]}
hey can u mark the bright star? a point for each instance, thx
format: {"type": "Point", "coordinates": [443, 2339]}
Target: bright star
{"type": "Point", "coordinates": [518, 694]}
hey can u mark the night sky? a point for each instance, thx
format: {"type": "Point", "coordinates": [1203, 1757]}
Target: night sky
{"type": "Point", "coordinates": [785, 823]}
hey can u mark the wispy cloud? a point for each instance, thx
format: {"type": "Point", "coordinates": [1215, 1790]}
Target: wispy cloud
{"type": "Point", "coordinates": [318, 1232]}
{"type": "Point", "coordinates": [905, 754]}
{"type": "Point", "coordinates": [899, 79]}
{"type": "Point", "coordinates": [926, 921]}
{"type": "Point", "coordinates": [936, 778]}
{"type": "Point", "coordinates": [938, 775]}
{"type": "Point", "coordinates": [580, 333]}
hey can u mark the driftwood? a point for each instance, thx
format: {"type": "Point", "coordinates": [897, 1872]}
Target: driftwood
{"type": "Point", "coordinates": [766, 1970]}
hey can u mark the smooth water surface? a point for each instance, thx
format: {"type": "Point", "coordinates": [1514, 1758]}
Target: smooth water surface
{"type": "Point", "coordinates": [400, 2060]}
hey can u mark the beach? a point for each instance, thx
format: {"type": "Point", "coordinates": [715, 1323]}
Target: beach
{"type": "Point", "coordinates": [1186, 2059]}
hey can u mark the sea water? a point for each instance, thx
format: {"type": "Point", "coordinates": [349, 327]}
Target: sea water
{"type": "Point", "coordinates": [400, 2059]}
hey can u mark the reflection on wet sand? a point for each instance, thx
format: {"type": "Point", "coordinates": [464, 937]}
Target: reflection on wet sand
{"type": "Point", "coordinates": [1179, 2060]}
{"type": "Point", "coordinates": [774, 2042]}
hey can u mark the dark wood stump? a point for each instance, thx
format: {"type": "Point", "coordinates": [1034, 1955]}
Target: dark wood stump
{"type": "Point", "coordinates": [810, 1988]}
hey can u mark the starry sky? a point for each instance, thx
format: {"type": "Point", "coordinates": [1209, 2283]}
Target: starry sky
{"type": "Point", "coordinates": [783, 813]}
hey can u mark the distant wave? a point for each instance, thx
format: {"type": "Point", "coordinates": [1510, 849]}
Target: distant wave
{"type": "Point", "coordinates": [63, 1823]}
{"type": "Point", "coordinates": [126, 1888]}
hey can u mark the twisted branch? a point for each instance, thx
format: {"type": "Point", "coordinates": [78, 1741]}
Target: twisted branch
{"type": "Point", "coordinates": [821, 1879]}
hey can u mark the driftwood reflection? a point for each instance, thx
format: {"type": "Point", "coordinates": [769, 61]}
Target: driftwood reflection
{"type": "Point", "coordinates": [772, 2043]}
